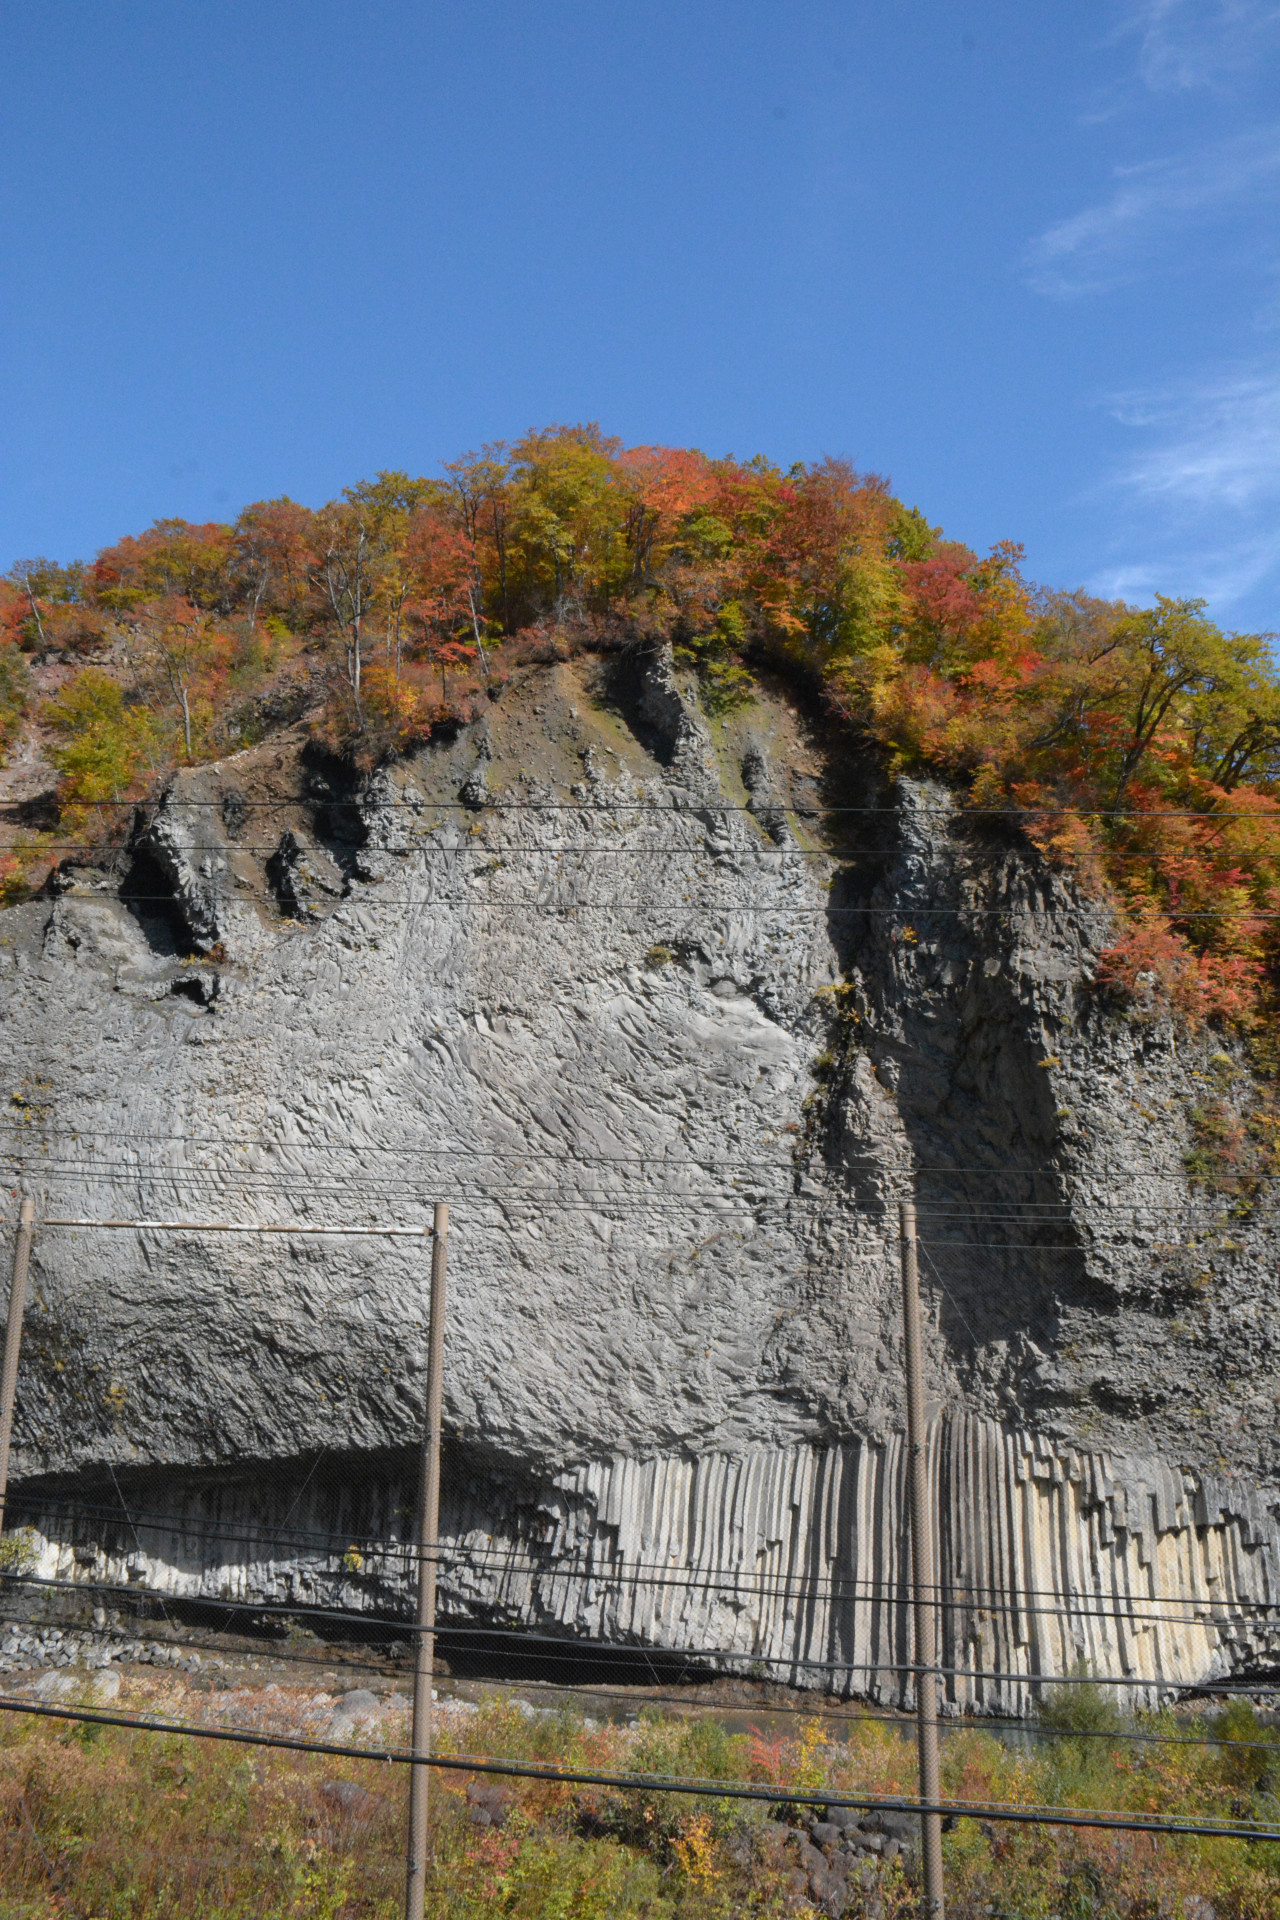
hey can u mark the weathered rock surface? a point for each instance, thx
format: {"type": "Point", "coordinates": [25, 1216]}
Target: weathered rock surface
{"type": "Point", "coordinates": [592, 973]}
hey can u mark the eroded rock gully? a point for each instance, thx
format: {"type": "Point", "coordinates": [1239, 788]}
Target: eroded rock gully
{"type": "Point", "coordinates": [673, 1043]}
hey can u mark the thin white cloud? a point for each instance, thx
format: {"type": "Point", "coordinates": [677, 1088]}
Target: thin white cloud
{"type": "Point", "coordinates": [1200, 500]}
{"type": "Point", "coordinates": [1193, 506]}
{"type": "Point", "coordinates": [1199, 43]}
{"type": "Point", "coordinates": [1230, 577]}
{"type": "Point", "coordinates": [1224, 449]}
{"type": "Point", "coordinates": [1102, 245]}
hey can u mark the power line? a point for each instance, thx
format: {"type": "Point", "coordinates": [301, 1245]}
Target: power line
{"type": "Point", "coordinates": [329, 1657]}
{"type": "Point", "coordinates": [689, 848]}
{"type": "Point", "coordinates": [267, 1177]}
{"type": "Point", "coordinates": [636, 1572]}
{"type": "Point", "coordinates": [657, 1783]}
{"type": "Point", "coordinates": [908, 913]}
{"type": "Point", "coordinates": [597, 1653]}
{"type": "Point", "coordinates": [224, 1226]}
{"type": "Point", "coordinates": [599, 1205]}
{"type": "Point", "coordinates": [950, 1723]}
{"type": "Point", "coordinates": [686, 805]}
{"type": "Point", "coordinates": [469, 1150]}
{"type": "Point", "coordinates": [640, 1696]}
{"type": "Point", "coordinates": [262, 1180]}
{"type": "Point", "coordinates": [603, 1204]}
{"type": "Point", "coordinates": [637, 1196]}
{"type": "Point", "coordinates": [664, 1200]}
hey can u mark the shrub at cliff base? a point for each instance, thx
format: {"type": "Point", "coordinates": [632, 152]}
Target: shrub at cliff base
{"type": "Point", "coordinates": [106, 1823]}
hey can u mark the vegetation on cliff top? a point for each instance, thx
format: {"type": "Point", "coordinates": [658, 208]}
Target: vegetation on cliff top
{"type": "Point", "coordinates": [1141, 745]}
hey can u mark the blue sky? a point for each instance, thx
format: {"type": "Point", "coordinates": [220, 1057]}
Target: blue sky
{"type": "Point", "coordinates": [1024, 259]}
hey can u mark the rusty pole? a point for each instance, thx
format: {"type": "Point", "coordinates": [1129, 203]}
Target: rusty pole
{"type": "Point", "coordinates": [12, 1342]}
{"type": "Point", "coordinates": [428, 1529]}
{"type": "Point", "coordinates": [922, 1576]}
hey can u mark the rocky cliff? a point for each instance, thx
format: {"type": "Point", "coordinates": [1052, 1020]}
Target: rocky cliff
{"type": "Point", "coordinates": [673, 1010]}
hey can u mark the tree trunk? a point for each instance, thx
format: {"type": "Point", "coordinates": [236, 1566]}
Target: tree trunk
{"type": "Point", "coordinates": [26, 581]}
{"type": "Point", "coordinates": [475, 628]}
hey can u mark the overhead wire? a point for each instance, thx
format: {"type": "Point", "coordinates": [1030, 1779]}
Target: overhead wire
{"type": "Point", "coordinates": [478, 845]}
{"type": "Point", "coordinates": [1012, 1212]}
{"type": "Point", "coordinates": [503, 1203]}
{"type": "Point", "coordinates": [639, 1694]}
{"type": "Point", "coordinates": [569, 1198]}
{"type": "Point", "coordinates": [657, 1783]}
{"type": "Point", "coordinates": [469, 1150]}
{"type": "Point", "coordinates": [532, 1646]}
{"type": "Point", "coordinates": [604, 1206]}
{"type": "Point", "coordinates": [910, 913]}
{"type": "Point", "coordinates": [686, 804]}
{"type": "Point", "coordinates": [265, 1182]}
{"type": "Point", "coordinates": [394, 1555]}
{"type": "Point", "coordinates": [899, 913]}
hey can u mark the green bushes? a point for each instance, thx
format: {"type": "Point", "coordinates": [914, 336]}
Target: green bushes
{"type": "Point", "coordinates": [103, 743]}
{"type": "Point", "coordinates": [1249, 1753]}
{"type": "Point", "coordinates": [148, 1826]}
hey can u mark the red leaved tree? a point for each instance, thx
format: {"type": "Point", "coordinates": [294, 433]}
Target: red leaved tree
{"type": "Point", "coordinates": [441, 566]}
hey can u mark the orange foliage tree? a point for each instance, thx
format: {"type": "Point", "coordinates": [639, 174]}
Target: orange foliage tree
{"type": "Point", "coordinates": [1139, 746]}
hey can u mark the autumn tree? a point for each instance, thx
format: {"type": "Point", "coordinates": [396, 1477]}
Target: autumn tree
{"type": "Point", "coordinates": [172, 557]}
{"type": "Point", "coordinates": [1168, 652]}
{"type": "Point", "coordinates": [102, 743]}
{"type": "Point", "coordinates": [566, 529]}
{"type": "Point", "coordinates": [15, 680]}
{"type": "Point", "coordinates": [54, 612]}
{"type": "Point", "coordinates": [1140, 745]}
{"type": "Point", "coordinates": [271, 557]}
{"type": "Point", "coordinates": [832, 553]}
{"type": "Point", "coordinates": [661, 488]}
{"type": "Point", "coordinates": [480, 492]}
{"type": "Point", "coordinates": [172, 646]}
{"type": "Point", "coordinates": [441, 563]}
{"type": "Point", "coordinates": [345, 575]}
{"type": "Point", "coordinates": [34, 578]}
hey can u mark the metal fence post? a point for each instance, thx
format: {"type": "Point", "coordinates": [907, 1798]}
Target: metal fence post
{"type": "Point", "coordinates": [922, 1575]}
{"type": "Point", "coordinates": [12, 1342]}
{"type": "Point", "coordinates": [428, 1530]}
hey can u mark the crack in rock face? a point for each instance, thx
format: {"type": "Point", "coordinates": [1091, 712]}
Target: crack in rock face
{"type": "Point", "coordinates": [590, 971]}
{"type": "Point", "coordinates": [306, 877]}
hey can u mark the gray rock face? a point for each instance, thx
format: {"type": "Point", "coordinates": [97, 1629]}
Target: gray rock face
{"type": "Point", "coordinates": [673, 1058]}
{"type": "Point", "coordinates": [306, 877]}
